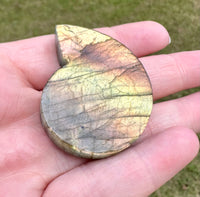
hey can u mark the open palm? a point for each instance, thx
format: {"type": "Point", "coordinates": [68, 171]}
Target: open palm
{"type": "Point", "coordinates": [31, 165]}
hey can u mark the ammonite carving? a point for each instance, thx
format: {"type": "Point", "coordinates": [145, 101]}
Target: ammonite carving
{"type": "Point", "coordinates": [99, 102]}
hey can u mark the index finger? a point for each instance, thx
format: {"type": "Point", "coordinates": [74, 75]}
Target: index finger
{"type": "Point", "coordinates": [37, 59]}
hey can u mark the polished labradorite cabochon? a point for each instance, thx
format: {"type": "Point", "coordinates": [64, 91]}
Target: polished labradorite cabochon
{"type": "Point", "coordinates": [99, 102]}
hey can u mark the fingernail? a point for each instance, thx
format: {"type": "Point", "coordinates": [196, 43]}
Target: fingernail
{"type": "Point", "coordinates": [170, 40]}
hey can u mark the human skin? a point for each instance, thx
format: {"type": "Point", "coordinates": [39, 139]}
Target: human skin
{"type": "Point", "coordinates": [31, 165]}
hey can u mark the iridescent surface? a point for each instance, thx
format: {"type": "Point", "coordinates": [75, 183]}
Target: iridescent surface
{"type": "Point", "coordinates": [100, 101]}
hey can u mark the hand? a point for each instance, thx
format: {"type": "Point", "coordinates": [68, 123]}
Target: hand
{"type": "Point", "coordinates": [31, 165]}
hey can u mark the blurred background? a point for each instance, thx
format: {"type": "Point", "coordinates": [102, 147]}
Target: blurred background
{"type": "Point", "coordinates": [21, 19]}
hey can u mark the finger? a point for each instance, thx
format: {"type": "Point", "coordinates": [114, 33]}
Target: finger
{"type": "Point", "coordinates": [172, 73]}
{"type": "Point", "coordinates": [37, 59]}
{"type": "Point", "coordinates": [138, 171]}
{"type": "Point", "coordinates": [184, 111]}
{"type": "Point", "coordinates": [142, 38]}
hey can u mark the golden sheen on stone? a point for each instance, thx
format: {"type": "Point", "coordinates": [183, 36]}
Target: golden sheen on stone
{"type": "Point", "coordinates": [99, 102]}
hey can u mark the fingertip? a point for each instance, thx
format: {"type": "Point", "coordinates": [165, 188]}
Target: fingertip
{"type": "Point", "coordinates": [142, 38]}
{"type": "Point", "coordinates": [180, 146]}
{"type": "Point", "coordinates": [168, 152]}
{"type": "Point", "coordinates": [188, 141]}
{"type": "Point", "coordinates": [158, 33]}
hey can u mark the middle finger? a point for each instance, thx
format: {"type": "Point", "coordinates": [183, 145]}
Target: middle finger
{"type": "Point", "coordinates": [172, 73]}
